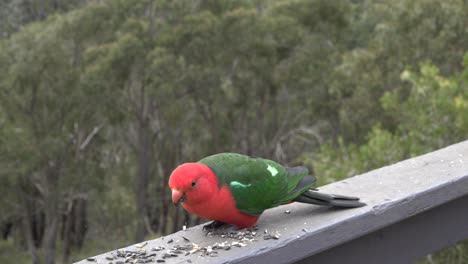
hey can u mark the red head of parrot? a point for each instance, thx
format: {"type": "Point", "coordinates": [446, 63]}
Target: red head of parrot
{"type": "Point", "coordinates": [191, 183]}
{"type": "Point", "coordinates": [196, 188]}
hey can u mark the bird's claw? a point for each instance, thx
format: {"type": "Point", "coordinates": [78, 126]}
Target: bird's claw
{"type": "Point", "coordinates": [213, 225]}
{"type": "Point", "coordinates": [218, 227]}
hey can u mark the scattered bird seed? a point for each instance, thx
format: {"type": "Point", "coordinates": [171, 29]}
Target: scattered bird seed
{"type": "Point", "coordinates": [209, 249]}
{"type": "Point", "coordinates": [234, 239]}
{"type": "Point", "coordinates": [148, 256]}
{"type": "Point", "coordinates": [158, 248]}
{"type": "Point", "coordinates": [238, 244]}
{"type": "Point", "coordinates": [195, 248]}
{"type": "Point", "coordinates": [271, 236]}
{"type": "Point", "coordinates": [182, 247]}
{"type": "Point", "coordinates": [142, 245]}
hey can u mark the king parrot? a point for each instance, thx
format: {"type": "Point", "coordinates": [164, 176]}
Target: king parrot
{"type": "Point", "coordinates": [236, 189]}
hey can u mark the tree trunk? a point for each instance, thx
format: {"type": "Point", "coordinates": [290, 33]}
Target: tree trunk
{"type": "Point", "coordinates": [74, 226]}
{"type": "Point", "coordinates": [175, 222]}
{"type": "Point", "coordinates": [51, 197]}
{"type": "Point", "coordinates": [50, 234]}
{"type": "Point", "coordinates": [27, 229]}
{"type": "Point", "coordinates": [81, 222]}
{"type": "Point", "coordinates": [67, 224]}
{"type": "Point", "coordinates": [6, 230]}
{"type": "Point", "coordinates": [142, 181]}
{"type": "Point", "coordinates": [164, 206]}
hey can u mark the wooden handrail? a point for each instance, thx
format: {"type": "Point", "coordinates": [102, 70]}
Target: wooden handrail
{"type": "Point", "coordinates": [414, 207]}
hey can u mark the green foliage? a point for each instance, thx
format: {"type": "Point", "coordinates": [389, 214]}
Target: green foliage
{"type": "Point", "coordinates": [432, 97]}
{"type": "Point", "coordinates": [123, 90]}
{"type": "Point", "coordinates": [392, 36]}
{"type": "Point", "coordinates": [10, 252]}
{"type": "Point", "coordinates": [457, 254]}
{"type": "Point", "coordinates": [16, 13]}
{"type": "Point", "coordinates": [431, 116]}
{"type": "Point", "coordinates": [333, 163]}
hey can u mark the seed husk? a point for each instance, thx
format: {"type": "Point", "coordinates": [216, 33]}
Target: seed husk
{"type": "Point", "coordinates": [142, 244]}
{"type": "Point", "coordinates": [158, 248]}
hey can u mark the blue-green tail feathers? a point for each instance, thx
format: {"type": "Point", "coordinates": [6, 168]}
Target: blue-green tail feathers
{"type": "Point", "coordinates": [300, 190]}
{"type": "Point", "coordinates": [314, 197]}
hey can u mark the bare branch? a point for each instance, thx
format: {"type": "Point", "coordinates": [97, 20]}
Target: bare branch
{"type": "Point", "coordinates": [89, 137]}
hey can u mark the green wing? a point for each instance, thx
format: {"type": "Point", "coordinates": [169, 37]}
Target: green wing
{"type": "Point", "coordinates": [256, 184]}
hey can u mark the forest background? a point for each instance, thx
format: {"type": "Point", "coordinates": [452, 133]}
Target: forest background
{"type": "Point", "coordinates": [100, 100]}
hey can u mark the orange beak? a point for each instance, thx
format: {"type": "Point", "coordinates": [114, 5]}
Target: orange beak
{"type": "Point", "coordinates": [177, 197]}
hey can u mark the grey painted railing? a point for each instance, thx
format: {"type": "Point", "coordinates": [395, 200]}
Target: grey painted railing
{"type": "Point", "coordinates": [415, 207]}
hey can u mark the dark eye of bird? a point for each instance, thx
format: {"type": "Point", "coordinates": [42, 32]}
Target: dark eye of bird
{"type": "Point", "coordinates": [193, 183]}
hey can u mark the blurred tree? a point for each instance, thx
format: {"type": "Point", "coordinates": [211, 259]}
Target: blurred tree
{"type": "Point", "coordinates": [392, 36]}
{"type": "Point", "coordinates": [54, 136]}
{"type": "Point", "coordinates": [100, 100]}
{"type": "Point", "coordinates": [16, 13]}
{"type": "Point", "coordinates": [431, 116]}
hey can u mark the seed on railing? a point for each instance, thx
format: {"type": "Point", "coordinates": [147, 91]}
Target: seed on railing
{"type": "Point", "coordinates": [158, 248]}
{"type": "Point", "coordinates": [142, 244]}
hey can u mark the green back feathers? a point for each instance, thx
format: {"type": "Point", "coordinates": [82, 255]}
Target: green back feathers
{"type": "Point", "coordinates": [255, 183]}
{"type": "Point", "coordinates": [298, 182]}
